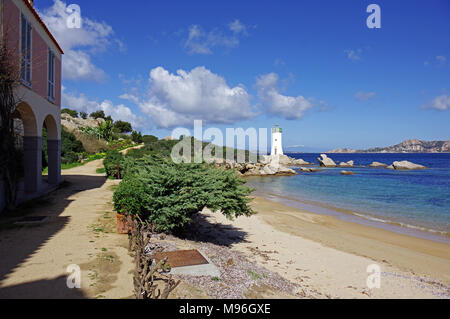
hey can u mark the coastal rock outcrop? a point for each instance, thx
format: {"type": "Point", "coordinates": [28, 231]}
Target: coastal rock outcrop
{"type": "Point", "coordinates": [405, 165]}
{"type": "Point", "coordinates": [325, 161]}
{"type": "Point", "coordinates": [347, 164]}
{"type": "Point", "coordinates": [378, 164]}
{"type": "Point", "coordinates": [268, 165]}
{"type": "Point", "coordinates": [347, 173]}
{"type": "Point", "coordinates": [289, 161]}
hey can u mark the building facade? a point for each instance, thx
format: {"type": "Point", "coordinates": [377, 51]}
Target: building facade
{"type": "Point", "coordinates": [39, 58]}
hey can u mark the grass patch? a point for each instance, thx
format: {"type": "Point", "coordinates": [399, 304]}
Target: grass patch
{"type": "Point", "coordinates": [101, 170]}
{"type": "Point", "coordinates": [254, 275]}
{"type": "Point", "coordinates": [215, 278]}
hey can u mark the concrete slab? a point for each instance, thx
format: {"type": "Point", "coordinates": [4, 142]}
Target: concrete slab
{"type": "Point", "coordinates": [208, 269]}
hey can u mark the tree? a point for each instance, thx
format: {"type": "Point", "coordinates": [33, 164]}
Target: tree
{"type": "Point", "coordinates": [123, 127]}
{"type": "Point", "coordinates": [136, 137]}
{"type": "Point", "coordinates": [98, 115]}
{"type": "Point", "coordinates": [9, 155]}
{"type": "Point", "coordinates": [72, 113]}
{"type": "Point", "coordinates": [83, 115]}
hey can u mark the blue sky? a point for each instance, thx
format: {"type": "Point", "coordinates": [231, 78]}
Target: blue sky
{"type": "Point", "coordinates": [313, 67]}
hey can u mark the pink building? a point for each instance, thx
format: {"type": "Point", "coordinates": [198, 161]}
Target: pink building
{"type": "Point", "coordinates": [39, 56]}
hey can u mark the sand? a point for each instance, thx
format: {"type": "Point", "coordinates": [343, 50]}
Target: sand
{"type": "Point", "coordinates": [331, 256]}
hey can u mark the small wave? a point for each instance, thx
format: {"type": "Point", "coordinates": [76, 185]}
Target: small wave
{"type": "Point", "coordinates": [415, 227]}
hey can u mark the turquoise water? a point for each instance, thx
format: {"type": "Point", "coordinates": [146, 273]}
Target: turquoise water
{"type": "Point", "coordinates": [417, 200]}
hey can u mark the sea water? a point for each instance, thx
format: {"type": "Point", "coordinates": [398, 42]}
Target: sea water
{"type": "Point", "coordinates": [414, 199]}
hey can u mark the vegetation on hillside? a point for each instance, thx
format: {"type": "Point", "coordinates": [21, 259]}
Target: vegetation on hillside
{"type": "Point", "coordinates": [89, 142]}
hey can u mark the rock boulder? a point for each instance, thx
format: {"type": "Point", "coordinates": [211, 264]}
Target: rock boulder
{"type": "Point", "coordinates": [325, 161]}
{"type": "Point", "coordinates": [378, 164]}
{"type": "Point", "coordinates": [405, 165]}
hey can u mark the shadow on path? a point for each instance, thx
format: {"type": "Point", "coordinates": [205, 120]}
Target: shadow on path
{"type": "Point", "coordinates": [19, 243]}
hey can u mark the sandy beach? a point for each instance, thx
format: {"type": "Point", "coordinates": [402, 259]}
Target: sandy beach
{"type": "Point", "coordinates": [330, 257]}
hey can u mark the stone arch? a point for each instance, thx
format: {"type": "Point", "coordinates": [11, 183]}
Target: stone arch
{"type": "Point", "coordinates": [32, 147]}
{"type": "Point", "coordinates": [29, 119]}
{"type": "Point", "coordinates": [53, 149]}
{"type": "Point", "coordinates": [52, 127]}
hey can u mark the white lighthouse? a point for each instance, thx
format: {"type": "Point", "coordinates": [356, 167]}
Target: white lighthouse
{"type": "Point", "coordinates": [277, 145]}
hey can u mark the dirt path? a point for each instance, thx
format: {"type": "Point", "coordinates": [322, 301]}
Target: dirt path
{"type": "Point", "coordinates": [80, 231]}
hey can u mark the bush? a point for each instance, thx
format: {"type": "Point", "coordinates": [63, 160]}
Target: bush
{"type": "Point", "coordinates": [119, 144]}
{"type": "Point", "coordinates": [149, 139]}
{"type": "Point", "coordinates": [72, 113]}
{"type": "Point", "coordinates": [167, 194]}
{"type": "Point", "coordinates": [70, 147]}
{"type": "Point", "coordinates": [113, 164]}
{"type": "Point", "coordinates": [83, 115]}
{"type": "Point", "coordinates": [69, 157]}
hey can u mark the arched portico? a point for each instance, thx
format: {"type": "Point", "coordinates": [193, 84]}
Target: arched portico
{"type": "Point", "coordinates": [53, 150]}
{"type": "Point", "coordinates": [32, 148]}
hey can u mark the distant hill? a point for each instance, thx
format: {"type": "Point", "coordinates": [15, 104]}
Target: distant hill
{"type": "Point", "coordinates": [409, 146]}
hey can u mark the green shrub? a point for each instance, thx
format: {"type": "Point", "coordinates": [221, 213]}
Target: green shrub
{"type": "Point", "coordinates": [69, 157]}
{"type": "Point", "coordinates": [70, 147]}
{"type": "Point", "coordinates": [113, 164]}
{"type": "Point", "coordinates": [69, 143]}
{"type": "Point", "coordinates": [83, 115]}
{"type": "Point", "coordinates": [72, 113]}
{"type": "Point", "coordinates": [168, 194]}
{"type": "Point", "coordinates": [149, 139]}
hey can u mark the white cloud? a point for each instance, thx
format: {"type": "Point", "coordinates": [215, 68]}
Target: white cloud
{"type": "Point", "coordinates": [118, 112]}
{"type": "Point", "coordinates": [364, 96]}
{"type": "Point", "coordinates": [180, 98]}
{"type": "Point", "coordinates": [78, 44]}
{"type": "Point", "coordinates": [77, 65]}
{"type": "Point", "coordinates": [291, 108]}
{"type": "Point", "coordinates": [441, 59]}
{"type": "Point", "coordinates": [440, 103]}
{"type": "Point", "coordinates": [238, 27]}
{"type": "Point", "coordinates": [200, 41]}
{"type": "Point", "coordinates": [354, 55]}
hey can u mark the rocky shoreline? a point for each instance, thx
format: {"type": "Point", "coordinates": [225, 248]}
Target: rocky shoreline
{"type": "Point", "coordinates": [280, 165]}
